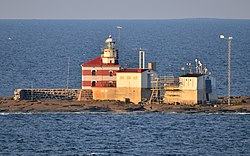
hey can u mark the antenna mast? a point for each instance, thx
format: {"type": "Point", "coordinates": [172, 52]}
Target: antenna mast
{"type": "Point", "coordinates": [119, 33]}
{"type": "Point", "coordinates": [142, 58]}
{"type": "Point", "coordinates": [68, 73]}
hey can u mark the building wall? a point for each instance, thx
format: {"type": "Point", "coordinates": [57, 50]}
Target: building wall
{"type": "Point", "coordinates": [53, 94]}
{"type": "Point", "coordinates": [104, 93]}
{"type": "Point", "coordinates": [190, 90]}
{"type": "Point", "coordinates": [147, 76]}
{"type": "Point", "coordinates": [133, 93]}
{"type": "Point", "coordinates": [189, 97]}
{"type": "Point", "coordinates": [146, 93]}
{"type": "Point", "coordinates": [99, 78]}
{"type": "Point", "coordinates": [110, 54]}
{"type": "Point", "coordinates": [182, 96]}
{"type": "Point", "coordinates": [102, 76]}
{"type": "Point", "coordinates": [86, 84]}
{"type": "Point", "coordinates": [130, 85]}
{"type": "Point", "coordinates": [213, 96]}
{"type": "Point", "coordinates": [37, 94]}
{"type": "Point", "coordinates": [135, 79]}
{"type": "Point", "coordinates": [99, 72]}
{"type": "Point", "coordinates": [122, 93]}
{"type": "Point", "coordinates": [188, 83]}
{"type": "Point", "coordinates": [172, 94]}
{"type": "Point", "coordinates": [194, 86]}
{"type": "Point", "coordinates": [129, 80]}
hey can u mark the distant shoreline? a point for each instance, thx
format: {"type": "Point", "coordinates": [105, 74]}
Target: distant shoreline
{"type": "Point", "coordinates": [7, 105]}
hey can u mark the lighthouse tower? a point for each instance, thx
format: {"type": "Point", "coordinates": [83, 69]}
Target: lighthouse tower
{"type": "Point", "coordinates": [101, 71]}
{"type": "Point", "coordinates": [110, 55]}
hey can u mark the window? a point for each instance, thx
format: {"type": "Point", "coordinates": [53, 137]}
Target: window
{"type": "Point", "coordinates": [93, 83]}
{"type": "Point", "coordinates": [121, 77]}
{"type": "Point", "coordinates": [128, 77]}
{"type": "Point", "coordinates": [110, 84]}
{"type": "Point", "coordinates": [93, 72]}
{"type": "Point", "coordinates": [110, 73]}
{"type": "Point", "coordinates": [135, 77]}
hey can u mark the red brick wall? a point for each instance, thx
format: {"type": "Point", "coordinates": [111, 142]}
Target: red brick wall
{"type": "Point", "coordinates": [98, 72]}
{"type": "Point", "coordinates": [86, 83]}
{"type": "Point", "coordinates": [100, 83]}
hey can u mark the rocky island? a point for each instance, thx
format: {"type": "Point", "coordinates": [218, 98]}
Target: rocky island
{"type": "Point", "coordinates": [8, 105]}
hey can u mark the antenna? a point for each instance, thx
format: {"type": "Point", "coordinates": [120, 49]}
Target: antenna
{"type": "Point", "coordinates": [31, 98]}
{"type": "Point", "coordinates": [200, 67]}
{"type": "Point", "coordinates": [141, 58]}
{"type": "Point", "coordinates": [189, 65]}
{"type": "Point", "coordinates": [205, 69]}
{"type": "Point", "coordinates": [119, 32]}
{"type": "Point", "coordinates": [68, 73]}
{"type": "Point", "coordinates": [196, 66]}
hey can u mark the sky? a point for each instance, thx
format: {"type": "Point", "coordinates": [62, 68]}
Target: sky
{"type": "Point", "coordinates": [124, 9]}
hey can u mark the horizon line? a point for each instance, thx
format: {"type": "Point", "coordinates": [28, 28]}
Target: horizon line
{"type": "Point", "coordinates": [198, 18]}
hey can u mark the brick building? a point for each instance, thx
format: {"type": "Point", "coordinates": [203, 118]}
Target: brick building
{"type": "Point", "coordinates": [101, 71]}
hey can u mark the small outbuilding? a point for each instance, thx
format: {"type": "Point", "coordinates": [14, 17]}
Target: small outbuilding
{"type": "Point", "coordinates": [192, 89]}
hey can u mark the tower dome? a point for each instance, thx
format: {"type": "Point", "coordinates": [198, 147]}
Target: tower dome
{"type": "Point", "coordinates": [109, 39]}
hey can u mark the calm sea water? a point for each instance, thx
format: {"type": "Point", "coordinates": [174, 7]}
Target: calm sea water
{"type": "Point", "coordinates": [35, 53]}
{"type": "Point", "coordinates": [124, 134]}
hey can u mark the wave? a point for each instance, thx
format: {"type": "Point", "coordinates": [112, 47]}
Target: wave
{"type": "Point", "coordinates": [14, 113]}
{"type": "Point", "coordinates": [124, 113]}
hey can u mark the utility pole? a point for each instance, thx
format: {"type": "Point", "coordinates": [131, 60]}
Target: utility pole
{"type": "Point", "coordinates": [119, 33]}
{"type": "Point", "coordinates": [229, 39]}
{"type": "Point", "coordinates": [203, 89]}
{"type": "Point", "coordinates": [68, 73]}
{"type": "Point", "coordinates": [32, 98]}
{"type": "Point", "coordinates": [229, 68]}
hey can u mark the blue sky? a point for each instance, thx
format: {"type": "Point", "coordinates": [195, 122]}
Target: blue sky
{"type": "Point", "coordinates": [124, 9]}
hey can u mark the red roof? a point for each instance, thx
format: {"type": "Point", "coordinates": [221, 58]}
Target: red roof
{"type": "Point", "coordinates": [132, 70]}
{"type": "Point", "coordinates": [97, 62]}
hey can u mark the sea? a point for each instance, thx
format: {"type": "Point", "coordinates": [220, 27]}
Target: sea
{"type": "Point", "coordinates": [49, 53]}
{"type": "Point", "coordinates": [124, 134]}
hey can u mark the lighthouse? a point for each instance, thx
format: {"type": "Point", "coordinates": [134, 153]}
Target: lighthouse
{"type": "Point", "coordinates": [110, 52]}
{"type": "Point", "coordinates": [101, 71]}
